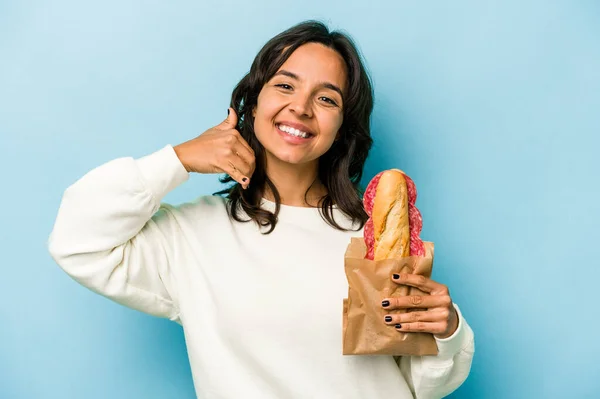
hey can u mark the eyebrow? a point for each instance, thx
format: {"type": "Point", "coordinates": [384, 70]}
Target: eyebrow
{"type": "Point", "coordinates": [327, 85]}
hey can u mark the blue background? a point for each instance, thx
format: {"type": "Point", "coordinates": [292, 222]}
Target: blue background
{"type": "Point", "coordinates": [493, 108]}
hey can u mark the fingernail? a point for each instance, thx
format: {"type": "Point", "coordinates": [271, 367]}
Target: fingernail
{"type": "Point", "coordinates": [398, 326]}
{"type": "Point", "coordinates": [227, 111]}
{"type": "Point", "coordinates": [388, 318]}
{"type": "Point", "coordinates": [245, 179]}
{"type": "Point", "coordinates": [396, 276]}
{"type": "Point", "coordinates": [385, 304]}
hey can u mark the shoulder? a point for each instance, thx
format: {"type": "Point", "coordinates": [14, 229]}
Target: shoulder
{"type": "Point", "coordinates": [191, 220]}
{"type": "Point", "coordinates": [203, 207]}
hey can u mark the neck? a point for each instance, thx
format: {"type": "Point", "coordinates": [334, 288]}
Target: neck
{"type": "Point", "coordinates": [293, 182]}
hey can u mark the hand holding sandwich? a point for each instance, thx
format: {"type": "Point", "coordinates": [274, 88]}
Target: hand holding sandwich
{"type": "Point", "coordinates": [440, 317]}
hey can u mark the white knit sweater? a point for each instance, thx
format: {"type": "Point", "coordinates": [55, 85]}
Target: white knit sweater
{"type": "Point", "coordinates": [261, 313]}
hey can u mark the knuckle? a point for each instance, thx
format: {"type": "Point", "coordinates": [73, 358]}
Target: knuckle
{"type": "Point", "coordinates": [446, 300]}
{"type": "Point", "coordinates": [443, 327]}
{"type": "Point", "coordinates": [445, 313]}
{"type": "Point", "coordinates": [415, 316]}
{"type": "Point", "coordinates": [415, 300]}
{"type": "Point", "coordinates": [230, 138]}
{"type": "Point", "coordinates": [419, 326]}
{"type": "Point", "coordinates": [421, 280]}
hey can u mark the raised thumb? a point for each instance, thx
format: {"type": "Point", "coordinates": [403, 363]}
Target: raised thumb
{"type": "Point", "coordinates": [231, 121]}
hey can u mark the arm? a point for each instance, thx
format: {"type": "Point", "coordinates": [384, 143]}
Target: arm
{"type": "Point", "coordinates": [437, 376]}
{"type": "Point", "coordinates": [111, 237]}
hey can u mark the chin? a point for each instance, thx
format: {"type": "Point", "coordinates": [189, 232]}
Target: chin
{"type": "Point", "coordinates": [295, 159]}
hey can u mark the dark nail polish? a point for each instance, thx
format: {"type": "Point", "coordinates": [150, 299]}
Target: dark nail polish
{"type": "Point", "coordinates": [244, 180]}
{"type": "Point", "coordinates": [388, 318]}
{"type": "Point", "coordinates": [396, 276]}
{"type": "Point", "coordinates": [398, 326]}
{"type": "Point", "coordinates": [227, 111]}
{"type": "Point", "coordinates": [385, 304]}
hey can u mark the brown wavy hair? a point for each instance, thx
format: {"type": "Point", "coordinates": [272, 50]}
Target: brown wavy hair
{"type": "Point", "coordinates": [341, 167]}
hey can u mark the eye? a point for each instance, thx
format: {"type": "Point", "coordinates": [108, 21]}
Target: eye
{"type": "Point", "coordinates": [329, 100]}
{"type": "Point", "coordinates": [284, 86]}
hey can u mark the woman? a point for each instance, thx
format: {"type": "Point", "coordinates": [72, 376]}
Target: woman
{"type": "Point", "coordinates": [255, 274]}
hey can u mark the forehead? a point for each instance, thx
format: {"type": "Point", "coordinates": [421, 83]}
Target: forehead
{"type": "Point", "coordinates": [316, 63]}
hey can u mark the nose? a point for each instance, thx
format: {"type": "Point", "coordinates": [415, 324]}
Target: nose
{"type": "Point", "coordinates": [301, 105]}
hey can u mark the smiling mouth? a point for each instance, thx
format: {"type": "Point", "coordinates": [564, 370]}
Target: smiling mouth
{"type": "Point", "coordinates": [290, 131]}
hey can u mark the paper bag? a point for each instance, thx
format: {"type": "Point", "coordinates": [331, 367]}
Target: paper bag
{"type": "Point", "coordinates": [369, 282]}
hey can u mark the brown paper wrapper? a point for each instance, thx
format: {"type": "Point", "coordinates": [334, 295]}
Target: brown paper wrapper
{"type": "Point", "coordinates": [369, 282]}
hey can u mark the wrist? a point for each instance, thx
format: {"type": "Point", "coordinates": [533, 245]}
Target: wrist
{"type": "Point", "coordinates": [180, 152]}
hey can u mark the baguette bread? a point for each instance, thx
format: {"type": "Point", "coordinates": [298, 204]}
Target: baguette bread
{"type": "Point", "coordinates": [394, 221]}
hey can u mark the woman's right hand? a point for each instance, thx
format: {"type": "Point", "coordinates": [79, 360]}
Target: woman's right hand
{"type": "Point", "coordinates": [220, 149]}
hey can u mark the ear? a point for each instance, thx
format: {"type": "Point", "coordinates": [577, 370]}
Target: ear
{"type": "Point", "coordinates": [254, 111]}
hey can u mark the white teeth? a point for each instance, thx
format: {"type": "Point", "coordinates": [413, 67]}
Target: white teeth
{"type": "Point", "coordinates": [293, 132]}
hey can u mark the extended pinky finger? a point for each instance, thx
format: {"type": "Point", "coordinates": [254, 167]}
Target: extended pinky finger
{"type": "Point", "coordinates": [422, 326]}
{"type": "Point", "coordinates": [236, 174]}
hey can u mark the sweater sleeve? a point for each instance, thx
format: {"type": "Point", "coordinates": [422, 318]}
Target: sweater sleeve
{"type": "Point", "coordinates": [431, 377]}
{"type": "Point", "coordinates": [111, 234]}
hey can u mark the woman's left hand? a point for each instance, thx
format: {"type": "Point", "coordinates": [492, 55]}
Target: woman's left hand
{"type": "Point", "coordinates": [439, 318]}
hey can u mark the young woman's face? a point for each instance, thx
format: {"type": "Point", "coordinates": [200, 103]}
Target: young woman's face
{"type": "Point", "coordinates": [304, 96]}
